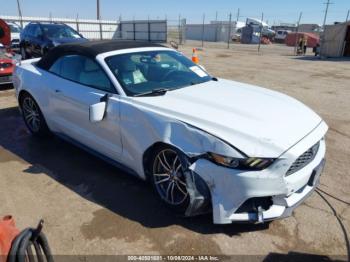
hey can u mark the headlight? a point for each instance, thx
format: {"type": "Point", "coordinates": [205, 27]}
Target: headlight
{"type": "Point", "coordinates": [250, 163]}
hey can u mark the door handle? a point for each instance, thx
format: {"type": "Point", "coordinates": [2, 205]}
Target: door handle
{"type": "Point", "coordinates": [58, 91]}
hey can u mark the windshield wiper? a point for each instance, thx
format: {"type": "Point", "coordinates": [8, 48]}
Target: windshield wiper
{"type": "Point", "coordinates": [159, 91]}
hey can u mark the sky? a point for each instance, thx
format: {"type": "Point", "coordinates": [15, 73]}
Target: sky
{"type": "Point", "coordinates": [275, 11]}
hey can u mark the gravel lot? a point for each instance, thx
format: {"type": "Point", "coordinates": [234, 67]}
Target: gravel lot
{"type": "Point", "coordinates": [90, 207]}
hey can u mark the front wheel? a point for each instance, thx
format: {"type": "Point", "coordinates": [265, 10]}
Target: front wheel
{"type": "Point", "coordinates": [168, 178]}
{"type": "Point", "coordinates": [32, 116]}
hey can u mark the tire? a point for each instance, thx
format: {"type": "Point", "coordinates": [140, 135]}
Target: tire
{"type": "Point", "coordinates": [167, 177]}
{"type": "Point", "coordinates": [33, 117]}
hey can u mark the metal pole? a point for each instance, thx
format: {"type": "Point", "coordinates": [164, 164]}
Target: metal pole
{"type": "Point", "coordinates": [77, 22]}
{"type": "Point", "coordinates": [180, 36]}
{"type": "Point", "coordinates": [99, 17]}
{"type": "Point", "coordinates": [347, 16]}
{"type": "Point", "coordinates": [296, 34]}
{"type": "Point", "coordinates": [261, 29]}
{"type": "Point", "coordinates": [238, 14]}
{"type": "Point", "coordinates": [20, 13]}
{"type": "Point", "coordinates": [98, 9]}
{"type": "Point", "coordinates": [229, 31]}
{"type": "Point", "coordinates": [326, 13]}
{"type": "Point", "coordinates": [203, 30]}
{"type": "Point", "coordinates": [149, 30]}
{"type": "Point", "coordinates": [216, 26]}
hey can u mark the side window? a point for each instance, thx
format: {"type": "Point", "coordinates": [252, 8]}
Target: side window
{"type": "Point", "coordinates": [82, 70]}
{"type": "Point", "coordinates": [37, 31]}
{"type": "Point", "coordinates": [56, 67]}
{"type": "Point", "coordinates": [29, 30]}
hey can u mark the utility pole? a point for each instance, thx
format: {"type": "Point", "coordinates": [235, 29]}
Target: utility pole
{"type": "Point", "coordinates": [99, 17]}
{"type": "Point", "coordinates": [324, 25]}
{"type": "Point", "coordinates": [347, 16]}
{"type": "Point", "coordinates": [261, 30]}
{"type": "Point", "coordinates": [296, 34]}
{"type": "Point", "coordinates": [229, 31]}
{"type": "Point", "coordinates": [98, 10]}
{"type": "Point", "coordinates": [20, 13]}
{"type": "Point", "coordinates": [238, 13]}
{"type": "Point", "coordinates": [326, 13]}
{"type": "Point", "coordinates": [216, 16]}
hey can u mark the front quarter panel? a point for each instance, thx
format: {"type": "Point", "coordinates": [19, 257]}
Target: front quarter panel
{"type": "Point", "coordinates": [141, 128]}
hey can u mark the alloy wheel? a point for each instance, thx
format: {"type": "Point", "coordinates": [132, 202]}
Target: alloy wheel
{"type": "Point", "coordinates": [169, 178]}
{"type": "Point", "coordinates": [31, 114]}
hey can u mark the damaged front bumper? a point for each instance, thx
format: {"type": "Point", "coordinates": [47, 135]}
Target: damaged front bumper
{"type": "Point", "coordinates": [258, 196]}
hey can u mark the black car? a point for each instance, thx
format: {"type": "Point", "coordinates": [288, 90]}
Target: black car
{"type": "Point", "coordinates": [38, 38]}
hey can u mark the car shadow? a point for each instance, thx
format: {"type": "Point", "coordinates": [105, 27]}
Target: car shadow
{"type": "Point", "coordinates": [99, 182]}
{"type": "Point", "coordinates": [302, 257]}
{"type": "Point", "coordinates": [317, 58]}
{"type": "Point", "coordinates": [6, 87]}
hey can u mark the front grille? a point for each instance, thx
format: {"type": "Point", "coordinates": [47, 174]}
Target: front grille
{"type": "Point", "coordinates": [5, 79]}
{"type": "Point", "coordinates": [5, 65]}
{"type": "Point", "coordinates": [304, 159]}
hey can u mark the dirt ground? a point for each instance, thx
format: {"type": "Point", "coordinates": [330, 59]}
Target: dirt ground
{"type": "Point", "coordinates": [90, 207]}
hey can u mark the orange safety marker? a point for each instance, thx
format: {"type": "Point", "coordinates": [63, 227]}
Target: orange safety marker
{"type": "Point", "coordinates": [195, 58]}
{"type": "Point", "coordinates": [8, 232]}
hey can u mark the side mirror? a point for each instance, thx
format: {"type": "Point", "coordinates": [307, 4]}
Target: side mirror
{"type": "Point", "coordinates": [97, 112]}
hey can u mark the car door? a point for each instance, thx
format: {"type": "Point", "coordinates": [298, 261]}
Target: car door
{"type": "Point", "coordinates": [76, 83]}
{"type": "Point", "coordinates": [25, 38]}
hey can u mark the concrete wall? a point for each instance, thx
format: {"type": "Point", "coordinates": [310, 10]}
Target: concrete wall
{"type": "Point", "coordinates": [334, 40]}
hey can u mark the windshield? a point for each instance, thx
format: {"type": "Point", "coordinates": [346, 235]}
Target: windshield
{"type": "Point", "coordinates": [14, 29]}
{"type": "Point", "coordinates": [59, 31]}
{"type": "Point", "coordinates": [144, 72]}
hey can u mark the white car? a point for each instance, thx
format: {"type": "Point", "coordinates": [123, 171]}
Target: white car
{"type": "Point", "coordinates": [15, 35]}
{"type": "Point", "coordinates": [281, 35]}
{"type": "Point", "coordinates": [243, 152]}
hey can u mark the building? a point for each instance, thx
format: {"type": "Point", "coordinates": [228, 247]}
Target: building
{"type": "Point", "coordinates": [285, 27]}
{"type": "Point", "coordinates": [309, 28]}
{"type": "Point", "coordinates": [335, 41]}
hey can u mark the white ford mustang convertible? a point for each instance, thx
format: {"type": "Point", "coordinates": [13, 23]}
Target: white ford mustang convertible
{"type": "Point", "coordinates": [243, 152]}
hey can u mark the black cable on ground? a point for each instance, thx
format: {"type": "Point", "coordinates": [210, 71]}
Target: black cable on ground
{"type": "Point", "coordinates": [346, 238]}
{"type": "Point", "coordinates": [22, 246]}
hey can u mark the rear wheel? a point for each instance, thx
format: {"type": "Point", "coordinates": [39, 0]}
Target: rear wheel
{"type": "Point", "coordinates": [32, 116]}
{"type": "Point", "coordinates": [168, 178]}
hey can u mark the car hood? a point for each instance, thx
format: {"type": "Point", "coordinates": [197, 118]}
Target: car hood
{"type": "Point", "coordinates": [257, 121]}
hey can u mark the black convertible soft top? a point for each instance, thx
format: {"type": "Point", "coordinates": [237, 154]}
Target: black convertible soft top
{"type": "Point", "coordinates": [90, 49]}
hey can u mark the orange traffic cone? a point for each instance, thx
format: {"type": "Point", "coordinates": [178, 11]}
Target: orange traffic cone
{"type": "Point", "coordinates": [195, 58]}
